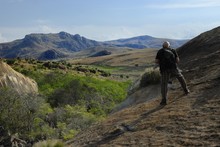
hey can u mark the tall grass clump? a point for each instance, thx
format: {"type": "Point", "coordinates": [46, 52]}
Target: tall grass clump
{"type": "Point", "coordinates": [150, 77]}
{"type": "Point", "coordinates": [49, 143]}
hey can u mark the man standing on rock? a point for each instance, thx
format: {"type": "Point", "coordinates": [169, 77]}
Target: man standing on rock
{"type": "Point", "coordinates": [167, 59]}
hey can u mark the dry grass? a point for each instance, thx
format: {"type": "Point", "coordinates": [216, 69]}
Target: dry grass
{"type": "Point", "coordinates": [49, 143]}
{"type": "Point", "coordinates": [129, 63]}
{"type": "Point", "coordinates": [128, 58]}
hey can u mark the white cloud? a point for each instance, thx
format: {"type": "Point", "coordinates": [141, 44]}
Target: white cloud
{"type": "Point", "coordinates": [41, 21]}
{"type": "Point", "coordinates": [14, 33]}
{"type": "Point", "coordinates": [46, 29]}
{"type": "Point", "coordinates": [186, 4]}
{"type": "Point", "coordinates": [178, 31]}
{"type": "Point", "coordinates": [2, 39]}
{"type": "Point", "coordinates": [106, 33]}
{"type": "Point", "coordinates": [102, 33]}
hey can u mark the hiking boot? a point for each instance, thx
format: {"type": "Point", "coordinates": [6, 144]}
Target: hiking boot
{"type": "Point", "coordinates": [163, 102]}
{"type": "Point", "coordinates": [187, 92]}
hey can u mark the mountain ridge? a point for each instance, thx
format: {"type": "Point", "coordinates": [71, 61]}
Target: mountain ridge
{"type": "Point", "coordinates": [146, 41]}
{"type": "Point", "coordinates": [64, 45]}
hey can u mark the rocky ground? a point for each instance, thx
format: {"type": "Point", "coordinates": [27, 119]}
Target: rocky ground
{"type": "Point", "coordinates": [192, 120]}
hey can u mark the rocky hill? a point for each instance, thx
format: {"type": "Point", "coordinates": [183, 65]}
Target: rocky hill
{"type": "Point", "coordinates": [46, 46]}
{"type": "Point", "coordinates": [9, 78]}
{"type": "Point", "coordinates": [187, 120]}
{"type": "Point", "coordinates": [64, 45]}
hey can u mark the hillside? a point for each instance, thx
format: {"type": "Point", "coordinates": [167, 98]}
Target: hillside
{"type": "Point", "coordinates": [64, 45]}
{"type": "Point", "coordinates": [201, 50]}
{"type": "Point", "coordinates": [191, 120]}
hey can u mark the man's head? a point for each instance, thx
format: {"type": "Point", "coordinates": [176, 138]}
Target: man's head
{"type": "Point", "coordinates": [166, 44]}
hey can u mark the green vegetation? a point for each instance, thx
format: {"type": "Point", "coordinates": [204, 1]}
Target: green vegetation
{"type": "Point", "coordinates": [70, 100]}
{"type": "Point", "coordinates": [19, 114]}
{"type": "Point", "coordinates": [108, 68]}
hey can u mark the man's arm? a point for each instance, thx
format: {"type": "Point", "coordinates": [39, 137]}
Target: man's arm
{"type": "Point", "coordinates": [177, 59]}
{"type": "Point", "coordinates": [176, 56]}
{"type": "Point", "coordinates": [157, 61]}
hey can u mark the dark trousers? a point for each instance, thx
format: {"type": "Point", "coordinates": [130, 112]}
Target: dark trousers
{"type": "Point", "coordinates": [165, 76]}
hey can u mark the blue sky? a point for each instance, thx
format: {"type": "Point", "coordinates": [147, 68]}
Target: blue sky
{"type": "Point", "coordinates": [104, 20]}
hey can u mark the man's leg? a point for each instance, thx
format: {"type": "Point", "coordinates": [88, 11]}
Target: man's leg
{"type": "Point", "coordinates": [182, 80]}
{"type": "Point", "coordinates": [164, 81]}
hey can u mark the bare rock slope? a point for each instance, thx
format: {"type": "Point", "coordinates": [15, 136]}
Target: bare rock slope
{"type": "Point", "coordinates": [187, 120]}
{"type": "Point", "coordinates": [9, 78]}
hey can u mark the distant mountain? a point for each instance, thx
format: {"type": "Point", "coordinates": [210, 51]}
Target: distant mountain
{"type": "Point", "coordinates": [141, 42]}
{"type": "Point", "coordinates": [46, 46]}
{"type": "Point", "coordinates": [64, 45]}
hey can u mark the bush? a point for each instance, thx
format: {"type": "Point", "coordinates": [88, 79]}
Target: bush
{"type": "Point", "coordinates": [10, 61]}
{"type": "Point", "coordinates": [24, 114]}
{"type": "Point", "coordinates": [49, 143]}
{"type": "Point", "coordinates": [150, 77]}
{"type": "Point", "coordinates": [20, 109]}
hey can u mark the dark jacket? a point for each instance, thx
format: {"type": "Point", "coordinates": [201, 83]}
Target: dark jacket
{"type": "Point", "coordinates": [167, 59]}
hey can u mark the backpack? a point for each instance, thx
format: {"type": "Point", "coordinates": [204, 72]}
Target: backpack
{"type": "Point", "coordinates": [168, 59]}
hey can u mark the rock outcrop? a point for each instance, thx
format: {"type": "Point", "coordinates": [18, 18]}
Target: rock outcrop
{"type": "Point", "coordinates": [9, 78]}
{"type": "Point", "coordinates": [101, 53]}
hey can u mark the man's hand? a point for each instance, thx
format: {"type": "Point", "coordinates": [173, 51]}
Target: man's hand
{"type": "Point", "coordinates": [155, 66]}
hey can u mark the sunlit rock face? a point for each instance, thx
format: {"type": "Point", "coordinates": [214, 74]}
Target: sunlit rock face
{"type": "Point", "coordinates": [9, 78]}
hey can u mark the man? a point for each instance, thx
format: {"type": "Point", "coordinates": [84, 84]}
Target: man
{"type": "Point", "coordinates": [167, 59]}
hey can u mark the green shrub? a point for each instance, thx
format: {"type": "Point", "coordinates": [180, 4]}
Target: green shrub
{"type": "Point", "coordinates": [150, 77]}
{"type": "Point", "coordinates": [24, 114]}
{"type": "Point", "coordinates": [25, 71]}
{"type": "Point", "coordinates": [10, 61]}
